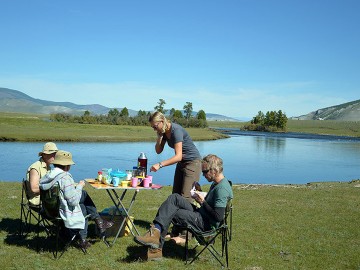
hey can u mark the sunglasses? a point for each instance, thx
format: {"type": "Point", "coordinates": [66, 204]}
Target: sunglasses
{"type": "Point", "coordinates": [156, 125]}
{"type": "Point", "coordinates": [206, 171]}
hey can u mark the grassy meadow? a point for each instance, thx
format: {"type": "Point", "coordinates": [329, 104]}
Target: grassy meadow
{"type": "Point", "coordinates": [25, 127]}
{"type": "Point", "coordinates": [313, 226]}
{"type": "Point", "coordinates": [327, 127]}
{"type": "Point", "coordinates": [29, 127]}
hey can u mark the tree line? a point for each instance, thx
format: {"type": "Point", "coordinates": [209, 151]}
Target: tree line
{"type": "Point", "coordinates": [116, 117]}
{"type": "Point", "coordinates": [271, 121]}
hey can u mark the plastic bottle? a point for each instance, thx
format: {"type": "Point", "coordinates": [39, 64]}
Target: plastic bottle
{"type": "Point", "coordinates": [142, 161]}
{"type": "Point", "coordinates": [99, 177]}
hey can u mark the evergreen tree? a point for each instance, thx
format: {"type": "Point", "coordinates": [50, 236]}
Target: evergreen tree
{"type": "Point", "coordinates": [160, 106]}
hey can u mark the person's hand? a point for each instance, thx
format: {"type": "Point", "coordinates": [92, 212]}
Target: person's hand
{"type": "Point", "coordinates": [155, 167]}
{"type": "Point", "coordinates": [159, 136]}
{"type": "Point", "coordinates": [197, 197]}
{"type": "Point", "coordinates": [82, 183]}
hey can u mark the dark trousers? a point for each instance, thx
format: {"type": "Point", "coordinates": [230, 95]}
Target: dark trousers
{"type": "Point", "coordinates": [88, 208]}
{"type": "Point", "coordinates": [176, 208]}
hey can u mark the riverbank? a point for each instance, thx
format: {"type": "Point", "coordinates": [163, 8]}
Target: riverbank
{"type": "Point", "coordinates": [326, 128]}
{"type": "Point", "coordinates": [312, 226]}
{"type": "Point", "coordinates": [35, 128]}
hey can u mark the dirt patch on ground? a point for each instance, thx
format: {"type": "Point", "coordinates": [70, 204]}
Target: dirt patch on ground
{"type": "Point", "coordinates": [353, 183]}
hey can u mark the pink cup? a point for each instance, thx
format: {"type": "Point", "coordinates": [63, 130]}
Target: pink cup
{"type": "Point", "coordinates": [134, 182]}
{"type": "Point", "coordinates": [150, 178]}
{"type": "Point", "coordinates": [146, 182]}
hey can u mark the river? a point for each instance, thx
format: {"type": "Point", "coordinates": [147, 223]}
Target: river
{"type": "Point", "coordinates": [260, 158]}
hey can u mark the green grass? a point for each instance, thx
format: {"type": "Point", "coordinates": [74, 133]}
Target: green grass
{"type": "Point", "coordinates": [29, 127]}
{"type": "Point", "coordinates": [328, 127]}
{"type": "Point", "coordinates": [314, 226]}
{"type": "Point", "coordinates": [25, 127]}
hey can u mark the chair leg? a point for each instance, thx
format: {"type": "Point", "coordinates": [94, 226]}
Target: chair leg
{"type": "Point", "coordinates": [106, 242]}
{"type": "Point", "coordinates": [186, 246]}
{"type": "Point", "coordinates": [23, 218]}
{"type": "Point", "coordinates": [212, 250]}
{"type": "Point", "coordinates": [67, 246]}
{"type": "Point", "coordinates": [57, 239]}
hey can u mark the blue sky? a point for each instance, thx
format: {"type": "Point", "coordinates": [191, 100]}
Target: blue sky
{"type": "Point", "coordinates": [228, 57]}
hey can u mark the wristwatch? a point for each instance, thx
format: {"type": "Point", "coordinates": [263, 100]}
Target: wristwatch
{"type": "Point", "coordinates": [160, 165]}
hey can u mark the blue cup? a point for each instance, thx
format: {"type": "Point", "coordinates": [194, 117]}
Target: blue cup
{"type": "Point", "coordinates": [115, 181]}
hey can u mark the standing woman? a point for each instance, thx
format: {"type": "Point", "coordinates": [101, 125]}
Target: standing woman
{"type": "Point", "coordinates": [186, 157]}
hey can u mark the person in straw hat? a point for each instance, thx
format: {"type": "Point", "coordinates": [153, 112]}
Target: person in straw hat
{"type": "Point", "coordinates": [75, 202]}
{"type": "Point", "coordinates": [37, 170]}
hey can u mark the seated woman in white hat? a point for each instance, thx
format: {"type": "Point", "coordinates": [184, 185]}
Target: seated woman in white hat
{"type": "Point", "coordinates": [37, 170]}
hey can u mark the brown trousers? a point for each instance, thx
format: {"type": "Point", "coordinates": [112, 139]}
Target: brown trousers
{"type": "Point", "coordinates": [186, 173]}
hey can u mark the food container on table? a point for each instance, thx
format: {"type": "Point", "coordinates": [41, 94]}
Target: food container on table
{"type": "Point", "coordinates": [106, 177]}
{"type": "Point", "coordinates": [129, 174]}
{"type": "Point", "coordinates": [125, 183]}
{"type": "Point", "coordinates": [118, 173]}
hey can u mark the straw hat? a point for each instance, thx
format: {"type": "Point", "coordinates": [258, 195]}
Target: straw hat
{"type": "Point", "coordinates": [63, 158]}
{"type": "Point", "coordinates": [49, 148]}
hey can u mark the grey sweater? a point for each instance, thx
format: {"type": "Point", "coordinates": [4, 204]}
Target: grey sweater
{"type": "Point", "coordinates": [70, 195]}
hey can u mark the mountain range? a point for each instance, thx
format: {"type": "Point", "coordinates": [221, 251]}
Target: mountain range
{"type": "Point", "coordinates": [349, 111]}
{"type": "Point", "coordinates": [16, 101]}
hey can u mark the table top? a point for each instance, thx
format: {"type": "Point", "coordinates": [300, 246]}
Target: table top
{"type": "Point", "coordinates": [98, 185]}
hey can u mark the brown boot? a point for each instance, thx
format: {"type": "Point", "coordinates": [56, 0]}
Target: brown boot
{"type": "Point", "coordinates": [103, 224]}
{"type": "Point", "coordinates": [154, 254]}
{"type": "Point", "coordinates": [150, 239]}
{"type": "Point", "coordinates": [83, 244]}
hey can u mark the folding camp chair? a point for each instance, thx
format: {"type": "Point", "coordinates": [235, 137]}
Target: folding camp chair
{"type": "Point", "coordinates": [28, 212]}
{"type": "Point", "coordinates": [207, 238]}
{"type": "Point", "coordinates": [51, 220]}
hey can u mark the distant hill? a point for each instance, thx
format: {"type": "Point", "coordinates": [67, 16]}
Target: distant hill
{"type": "Point", "coordinates": [349, 111]}
{"type": "Point", "coordinates": [16, 101]}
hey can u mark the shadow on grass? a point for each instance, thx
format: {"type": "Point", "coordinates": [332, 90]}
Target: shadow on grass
{"type": "Point", "coordinates": [144, 224]}
{"type": "Point", "coordinates": [170, 250]}
{"type": "Point", "coordinates": [30, 239]}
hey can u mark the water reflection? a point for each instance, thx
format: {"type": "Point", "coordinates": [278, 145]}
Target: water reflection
{"type": "Point", "coordinates": [247, 159]}
{"type": "Point", "coordinates": [273, 146]}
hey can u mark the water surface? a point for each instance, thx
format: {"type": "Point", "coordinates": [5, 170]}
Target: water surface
{"type": "Point", "coordinates": [247, 159]}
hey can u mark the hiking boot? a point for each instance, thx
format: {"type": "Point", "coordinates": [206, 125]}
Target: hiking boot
{"type": "Point", "coordinates": [103, 224]}
{"type": "Point", "coordinates": [154, 254]}
{"type": "Point", "coordinates": [83, 244]}
{"type": "Point", "coordinates": [150, 239]}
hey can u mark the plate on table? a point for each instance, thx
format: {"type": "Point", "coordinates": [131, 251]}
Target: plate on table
{"type": "Point", "coordinates": [90, 181]}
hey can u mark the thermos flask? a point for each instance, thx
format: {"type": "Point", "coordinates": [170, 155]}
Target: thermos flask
{"type": "Point", "coordinates": [142, 161]}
